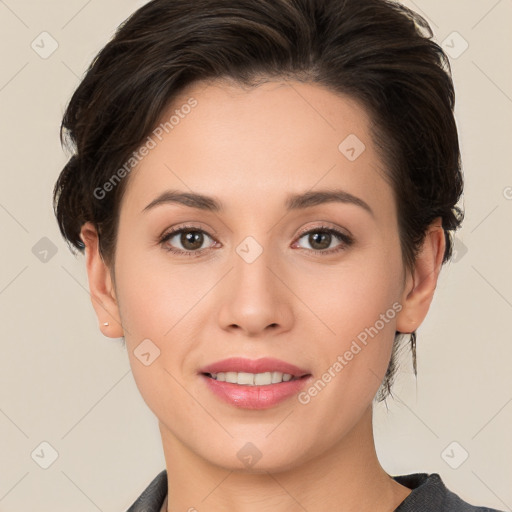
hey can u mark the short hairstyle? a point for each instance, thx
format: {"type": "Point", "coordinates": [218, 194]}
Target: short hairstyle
{"type": "Point", "coordinates": [378, 52]}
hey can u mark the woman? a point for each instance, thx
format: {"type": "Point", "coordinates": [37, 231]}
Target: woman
{"type": "Point", "coordinates": [265, 194]}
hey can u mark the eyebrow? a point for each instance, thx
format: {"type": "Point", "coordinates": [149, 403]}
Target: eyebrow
{"type": "Point", "coordinates": [293, 201]}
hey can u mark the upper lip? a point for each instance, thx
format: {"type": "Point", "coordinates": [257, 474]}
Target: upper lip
{"type": "Point", "coordinates": [263, 365]}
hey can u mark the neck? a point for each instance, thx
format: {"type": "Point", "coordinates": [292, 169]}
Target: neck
{"type": "Point", "coordinates": [347, 478]}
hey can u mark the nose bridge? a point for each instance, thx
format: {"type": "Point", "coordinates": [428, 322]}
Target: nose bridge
{"type": "Point", "coordinates": [255, 297]}
{"type": "Point", "coordinates": [252, 274]}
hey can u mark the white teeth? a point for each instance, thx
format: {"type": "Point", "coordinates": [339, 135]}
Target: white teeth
{"type": "Point", "coordinates": [277, 377]}
{"type": "Point", "coordinates": [252, 379]}
{"type": "Point", "coordinates": [246, 378]}
{"type": "Point", "coordinates": [231, 377]}
{"type": "Point", "coordinates": [263, 379]}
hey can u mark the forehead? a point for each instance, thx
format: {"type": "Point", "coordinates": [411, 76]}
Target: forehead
{"type": "Point", "coordinates": [254, 146]}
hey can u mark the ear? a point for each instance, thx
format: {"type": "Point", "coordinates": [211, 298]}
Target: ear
{"type": "Point", "coordinates": [103, 296]}
{"type": "Point", "coordinates": [421, 283]}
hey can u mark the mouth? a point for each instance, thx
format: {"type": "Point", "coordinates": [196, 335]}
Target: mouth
{"type": "Point", "coordinates": [254, 379]}
{"type": "Point", "coordinates": [254, 384]}
{"type": "Point", "coordinates": [253, 372]}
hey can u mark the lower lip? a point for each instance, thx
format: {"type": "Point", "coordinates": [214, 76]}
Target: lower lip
{"type": "Point", "coordinates": [255, 397]}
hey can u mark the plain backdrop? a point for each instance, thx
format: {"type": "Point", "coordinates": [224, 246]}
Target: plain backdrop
{"type": "Point", "coordinates": [64, 385]}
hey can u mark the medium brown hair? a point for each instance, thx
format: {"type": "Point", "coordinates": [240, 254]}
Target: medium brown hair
{"type": "Point", "coordinates": [376, 51]}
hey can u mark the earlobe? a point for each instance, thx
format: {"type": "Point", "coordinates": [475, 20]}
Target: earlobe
{"type": "Point", "coordinates": [101, 287]}
{"type": "Point", "coordinates": [421, 284]}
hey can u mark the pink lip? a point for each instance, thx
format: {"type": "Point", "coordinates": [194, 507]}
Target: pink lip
{"type": "Point", "coordinates": [265, 364]}
{"type": "Point", "coordinates": [255, 397]}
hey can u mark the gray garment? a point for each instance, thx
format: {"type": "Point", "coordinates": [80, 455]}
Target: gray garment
{"type": "Point", "coordinates": [429, 494]}
{"type": "Point", "coordinates": [153, 497]}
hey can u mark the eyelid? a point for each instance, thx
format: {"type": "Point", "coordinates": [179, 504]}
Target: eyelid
{"type": "Point", "coordinates": [188, 225]}
{"type": "Point", "coordinates": [326, 225]}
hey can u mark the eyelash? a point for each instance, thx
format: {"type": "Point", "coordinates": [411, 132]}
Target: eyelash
{"type": "Point", "coordinates": [346, 240]}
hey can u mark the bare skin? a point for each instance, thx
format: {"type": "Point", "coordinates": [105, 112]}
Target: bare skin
{"type": "Point", "coordinates": [249, 149]}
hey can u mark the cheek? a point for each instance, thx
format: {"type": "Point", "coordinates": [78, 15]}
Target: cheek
{"type": "Point", "coordinates": [154, 296]}
{"type": "Point", "coordinates": [159, 307]}
{"type": "Point", "coordinates": [359, 305]}
{"type": "Point", "coordinates": [354, 297]}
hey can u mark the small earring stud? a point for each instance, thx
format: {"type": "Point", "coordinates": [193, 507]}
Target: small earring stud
{"type": "Point", "coordinates": [105, 324]}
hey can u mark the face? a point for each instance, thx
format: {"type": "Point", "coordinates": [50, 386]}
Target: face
{"type": "Point", "coordinates": [264, 267]}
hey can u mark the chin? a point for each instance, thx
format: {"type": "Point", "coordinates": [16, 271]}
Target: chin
{"type": "Point", "coordinates": [258, 456]}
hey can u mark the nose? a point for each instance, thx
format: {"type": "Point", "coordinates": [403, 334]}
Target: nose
{"type": "Point", "coordinates": [255, 299]}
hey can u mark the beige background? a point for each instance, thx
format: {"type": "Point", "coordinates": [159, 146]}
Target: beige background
{"type": "Point", "coordinates": [62, 383]}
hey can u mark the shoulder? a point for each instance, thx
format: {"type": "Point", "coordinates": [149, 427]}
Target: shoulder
{"type": "Point", "coordinates": [429, 494]}
{"type": "Point", "coordinates": [152, 498]}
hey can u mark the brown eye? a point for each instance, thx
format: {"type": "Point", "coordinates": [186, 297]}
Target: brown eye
{"type": "Point", "coordinates": [186, 241]}
{"type": "Point", "coordinates": [191, 240]}
{"type": "Point", "coordinates": [320, 240]}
